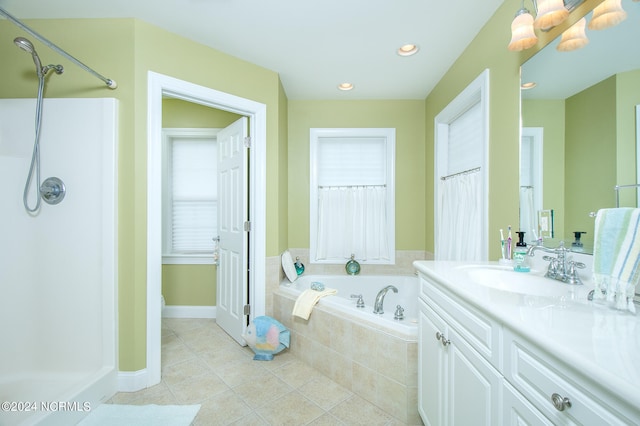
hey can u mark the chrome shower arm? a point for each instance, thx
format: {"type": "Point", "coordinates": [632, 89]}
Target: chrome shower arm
{"type": "Point", "coordinates": [110, 83]}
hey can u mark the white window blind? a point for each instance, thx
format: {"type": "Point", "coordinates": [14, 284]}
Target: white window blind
{"type": "Point", "coordinates": [351, 161]}
{"type": "Point", "coordinates": [352, 195]}
{"type": "Point", "coordinates": [191, 195]}
{"type": "Point", "coordinates": [465, 141]}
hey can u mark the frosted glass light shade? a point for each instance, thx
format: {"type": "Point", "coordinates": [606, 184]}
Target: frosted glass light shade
{"type": "Point", "coordinates": [574, 37]}
{"type": "Point", "coordinates": [522, 34]}
{"type": "Point", "coordinates": [550, 14]}
{"type": "Point", "coordinates": [607, 14]}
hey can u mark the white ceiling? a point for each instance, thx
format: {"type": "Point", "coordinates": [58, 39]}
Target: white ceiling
{"type": "Point", "coordinates": [312, 45]}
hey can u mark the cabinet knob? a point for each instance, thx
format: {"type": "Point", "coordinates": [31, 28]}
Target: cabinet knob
{"type": "Point", "coordinates": [443, 340]}
{"type": "Point", "coordinates": [560, 402]}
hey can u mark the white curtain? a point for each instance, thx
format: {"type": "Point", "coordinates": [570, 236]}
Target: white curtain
{"type": "Point", "coordinates": [458, 232]}
{"type": "Point", "coordinates": [528, 220]}
{"type": "Point", "coordinates": [352, 220]}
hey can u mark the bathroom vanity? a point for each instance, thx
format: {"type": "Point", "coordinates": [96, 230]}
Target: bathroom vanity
{"type": "Point", "coordinates": [502, 347]}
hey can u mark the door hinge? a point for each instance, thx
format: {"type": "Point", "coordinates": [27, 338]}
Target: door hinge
{"type": "Point", "coordinates": [247, 142]}
{"type": "Point", "coordinates": [247, 225]}
{"type": "Point", "coordinates": [247, 309]}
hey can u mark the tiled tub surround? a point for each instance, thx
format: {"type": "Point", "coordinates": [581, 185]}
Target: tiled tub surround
{"type": "Point", "coordinates": [376, 362]}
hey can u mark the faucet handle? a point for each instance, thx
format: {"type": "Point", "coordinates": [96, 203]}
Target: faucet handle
{"type": "Point", "coordinates": [399, 315]}
{"type": "Point", "coordinates": [572, 276]}
{"type": "Point", "coordinates": [360, 301]}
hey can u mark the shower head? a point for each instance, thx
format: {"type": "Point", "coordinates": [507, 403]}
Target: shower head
{"type": "Point", "coordinates": [24, 44]}
{"type": "Point", "coordinates": [27, 46]}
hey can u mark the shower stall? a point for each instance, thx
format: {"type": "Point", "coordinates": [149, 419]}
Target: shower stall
{"type": "Point", "coordinates": [58, 264]}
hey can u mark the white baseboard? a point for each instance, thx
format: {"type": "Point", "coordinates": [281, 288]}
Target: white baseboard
{"type": "Point", "coordinates": [132, 381]}
{"type": "Point", "coordinates": [177, 311]}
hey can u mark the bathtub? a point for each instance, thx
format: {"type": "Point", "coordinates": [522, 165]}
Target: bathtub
{"type": "Point", "coordinates": [374, 356]}
{"type": "Point", "coordinates": [368, 286]}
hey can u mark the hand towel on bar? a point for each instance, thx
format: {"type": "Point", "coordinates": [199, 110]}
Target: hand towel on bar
{"type": "Point", "coordinates": [308, 299]}
{"type": "Point", "coordinates": [616, 256]}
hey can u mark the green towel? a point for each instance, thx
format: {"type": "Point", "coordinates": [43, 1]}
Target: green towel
{"type": "Point", "coordinates": [616, 256]}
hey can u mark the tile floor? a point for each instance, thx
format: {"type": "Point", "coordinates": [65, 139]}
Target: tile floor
{"type": "Point", "coordinates": [201, 364]}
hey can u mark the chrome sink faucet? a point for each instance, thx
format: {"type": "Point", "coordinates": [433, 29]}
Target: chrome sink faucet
{"type": "Point", "coordinates": [560, 267]}
{"type": "Point", "coordinates": [377, 306]}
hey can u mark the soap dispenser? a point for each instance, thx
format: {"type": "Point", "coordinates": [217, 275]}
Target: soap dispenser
{"type": "Point", "coordinates": [577, 245]}
{"type": "Point", "coordinates": [352, 267]}
{"type": "Point", "coordinates": [520, 260]}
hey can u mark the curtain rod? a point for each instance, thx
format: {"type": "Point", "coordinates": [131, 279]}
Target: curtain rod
{"type": "Point", "coordinates": [476, 169]}
{"type": "Point", "coordinates": [351, 186]}
{"type": "Point", "coordinates": [111, 84]}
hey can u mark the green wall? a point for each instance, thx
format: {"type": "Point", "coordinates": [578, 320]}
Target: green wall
{"type": "Point", "coordinates": [549, 114]}
{"type": "Point", "coordinates": [125, 50]}
{"type": "Point", "coordinates": [406, 116]}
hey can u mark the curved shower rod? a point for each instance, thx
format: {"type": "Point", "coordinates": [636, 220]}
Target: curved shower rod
{"type": "Point", "coordinates": [111, 84]}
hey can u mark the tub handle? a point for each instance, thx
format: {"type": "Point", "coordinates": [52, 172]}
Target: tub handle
{"type": "Point", "coordinates": [360, 301]}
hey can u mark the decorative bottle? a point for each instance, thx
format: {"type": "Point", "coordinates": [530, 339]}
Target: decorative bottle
{"type": "Point", "coordinates": [352, 267]}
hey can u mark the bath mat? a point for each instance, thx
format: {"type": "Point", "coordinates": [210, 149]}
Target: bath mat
{"type": "Point", "coordinates": [141, 415]}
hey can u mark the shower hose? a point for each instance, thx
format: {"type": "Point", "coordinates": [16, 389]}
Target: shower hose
{"type": "Point", "coordinates": [35, 157]}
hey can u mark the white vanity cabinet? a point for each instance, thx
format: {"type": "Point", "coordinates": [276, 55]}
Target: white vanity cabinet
{"type": "Point", "coordinates": [476, 367]}
{"type": "Point", "coordinates": [457, 385]}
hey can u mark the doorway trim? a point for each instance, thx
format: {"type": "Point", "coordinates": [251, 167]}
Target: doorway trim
{"type": "Point", "coordinates": [161, 85]}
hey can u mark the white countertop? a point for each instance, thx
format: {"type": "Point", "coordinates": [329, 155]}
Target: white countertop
{"type": "Point", "coordinates": [601, 343]}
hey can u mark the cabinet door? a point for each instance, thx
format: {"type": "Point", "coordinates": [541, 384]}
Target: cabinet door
{"type": "Point", "coordinates": [431, 367]}
{"type": "Point", "coordinates": [474, 386]}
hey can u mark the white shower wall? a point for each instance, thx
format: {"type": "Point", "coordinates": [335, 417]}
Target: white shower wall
{"type": "Point", "coordinates": [58, 267]}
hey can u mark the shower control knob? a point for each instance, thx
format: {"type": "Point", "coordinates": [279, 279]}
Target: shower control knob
{"type": "Point", "coordinates": [52, 190]}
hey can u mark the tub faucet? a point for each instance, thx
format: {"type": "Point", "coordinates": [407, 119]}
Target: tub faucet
{"type": "Point", "coordinates": [377, 306]}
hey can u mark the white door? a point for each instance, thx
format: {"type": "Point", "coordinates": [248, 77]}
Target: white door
{"type": "Point", "coordinates": [232, 279]}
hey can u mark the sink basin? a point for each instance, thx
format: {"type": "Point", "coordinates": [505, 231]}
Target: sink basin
{"type": "Point", "coordinates": [506, 279]}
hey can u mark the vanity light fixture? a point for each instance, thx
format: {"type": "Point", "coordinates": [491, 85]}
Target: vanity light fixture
{"type": "Point", "coordinates": [408, 50]}
{"type": "Point", "coordinates": [550, 13]}
{"type": "Point", "coordinates": [574, 38]}
{"type": "Point", "coordinates": [607, 14]}
{"type": "Point", "coordinates": [345, 86]}
{"type": "Point", "coordinates": [522, 33]}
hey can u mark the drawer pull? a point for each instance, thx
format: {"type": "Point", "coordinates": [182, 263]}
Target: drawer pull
{"type": "Point", "coordinates": [559, 402]}
{"type": "Point", "coordinates": [443, 340]}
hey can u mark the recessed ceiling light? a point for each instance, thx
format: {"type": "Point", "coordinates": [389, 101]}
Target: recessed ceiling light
{"type": "Point", "coordinates": [345, 86]}
{"type": "Point", "coordinates": [408, 50]}
{"type": "Point", "coordinates": [527, 86]}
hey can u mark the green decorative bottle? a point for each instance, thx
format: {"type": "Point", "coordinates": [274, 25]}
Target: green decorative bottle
{"type": "Point", "coordinates": [299, 266]}
{"type": "Point", "coordinates": [352, 267]}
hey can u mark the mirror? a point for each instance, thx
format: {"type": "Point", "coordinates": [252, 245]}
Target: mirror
{"type": "Point", "coordinates": [584, 108]}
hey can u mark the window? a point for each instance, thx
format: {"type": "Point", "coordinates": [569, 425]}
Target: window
{"type": "Point", "coordinates": [190, 195]}
{"type": "Point", "coordinates": [352, 195]}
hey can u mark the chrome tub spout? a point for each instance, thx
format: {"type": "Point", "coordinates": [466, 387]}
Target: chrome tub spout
{"type": "Point", "coordinates": [377, 306]}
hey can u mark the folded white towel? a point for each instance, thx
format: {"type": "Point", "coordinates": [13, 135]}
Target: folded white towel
{"type": "Point", "coordinates": [616, 256]}
{"type": "Point", "coordinates": [308, 299]}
